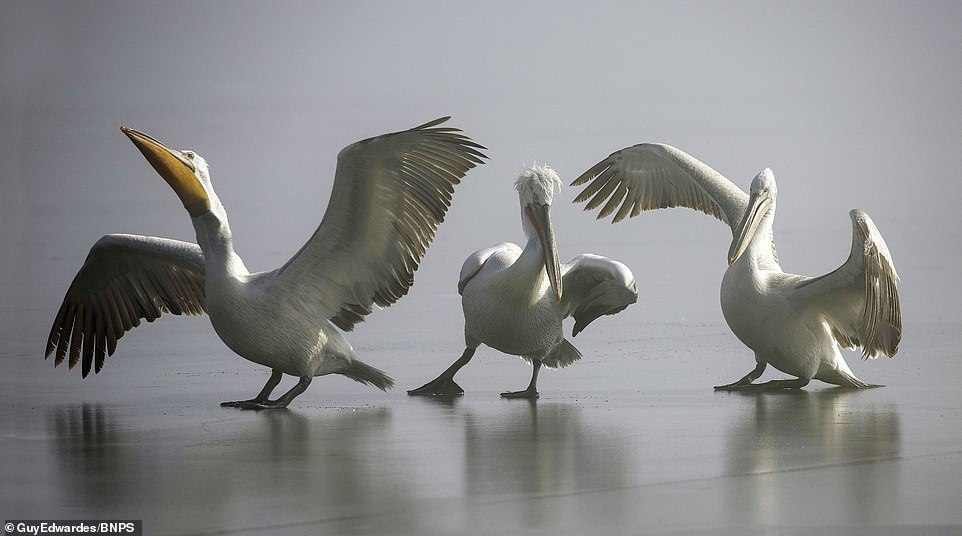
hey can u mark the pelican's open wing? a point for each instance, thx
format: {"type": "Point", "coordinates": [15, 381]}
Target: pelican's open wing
{"type": "Point", "coordinates": [390, 194]}
{"type": "Point", "coordinates": [125, 278]}
{"type": "Point", "coordinates": [595, 286]}
{"type": "Point", "coordinates": [860, 298]}
{"type": "Point", "coordinates": [651, 176]}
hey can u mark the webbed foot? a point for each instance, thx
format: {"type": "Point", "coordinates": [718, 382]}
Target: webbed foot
{"type": "Point", "coordinates": [261, 402]}
{"type": "Point", "coordinates": [528, 393]}
{"type": "Point", "coordinates": [255, 404]}
{"type": "Point", "coordinates": [745, 380]}
{"type": "Point", "coordinates": [773, 385]}
{"type": "Point", "coordinates": [439, 386]}
{"type": "Point", "coordinates": [243, 404]}
{"type": "Point", "coordinates": [734, 386]}
{"type": "Point", "coordinates": [261, 396]}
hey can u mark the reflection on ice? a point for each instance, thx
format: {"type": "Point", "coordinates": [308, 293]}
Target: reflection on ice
{"type": "Point", "coordinates": [331, 468]}
{"type": "Point", "coordinates": [826, 432]}
{"type": "Point", "coordinates": [415, 466]}
{"type": "Point", "coordinates": [96, 461]}
{"type": "Point", "coordinates": [332, 460]}
{"type": "Point", "coordinates": [538, 448]}
{"type": "Point", "coordinates": [516, 454]}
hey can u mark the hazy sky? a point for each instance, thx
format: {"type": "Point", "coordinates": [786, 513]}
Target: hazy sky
{"type": "Point", "coordinates": [853, 104]}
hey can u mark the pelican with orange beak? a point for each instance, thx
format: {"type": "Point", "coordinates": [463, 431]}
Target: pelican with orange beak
{"type": "Point", "coordinates": [390, 193]}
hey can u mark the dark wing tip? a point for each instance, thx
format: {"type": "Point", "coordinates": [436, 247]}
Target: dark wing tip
{"type": "Point", "coordinates": [436, 163]}
{"type": "Point", "coordinates": [100, 306]}
{"type": "Point", "coordinates": [591, 173]}
{"type": "Point", "coordinates": [583, 178]}
{"type": "Point", "coordinates": [433, 123]}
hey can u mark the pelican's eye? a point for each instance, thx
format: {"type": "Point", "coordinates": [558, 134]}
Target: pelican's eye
{"type": "Point", "coordinates": [189, 154]}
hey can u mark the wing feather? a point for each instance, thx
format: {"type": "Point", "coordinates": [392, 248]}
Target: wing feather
{"type": "Point", "coordinates": [473, 264]}
{"type": "Point", "coordinates": [860, 298]}
{"type": "Point", "coordinates": [390, 194]}
{"type": "Point", "coordinates": [595, 286]}
{"type": "Point", "coordinates": [124, 278]}
{"type": "Point", "coordinates": [652, 176]}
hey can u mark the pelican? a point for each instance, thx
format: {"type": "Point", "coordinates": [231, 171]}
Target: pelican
{"type": "Point", "coordinates": [795, 323]}
{"type": "Point", "coordinates": [390, 194]}
{"type": "Point", "coordinates": [514, 300]}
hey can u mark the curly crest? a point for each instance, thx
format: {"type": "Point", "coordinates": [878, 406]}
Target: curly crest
{"type": "Point", "coordinates": [537, 184]}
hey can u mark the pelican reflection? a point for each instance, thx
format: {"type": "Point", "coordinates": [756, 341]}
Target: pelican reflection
{"type": "Point", "coordinates": [806, 449]}
{"type": "Point", "coordinates": [95, 458]}
{"type": "Point", "coordinates": [218, 472]}
{"type": "Point", "coordinates": [536, 449]}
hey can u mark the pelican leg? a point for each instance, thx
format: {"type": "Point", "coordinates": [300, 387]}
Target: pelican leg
{"type": "Point", "coordinates": [532, 390]}
{"type": "Point", "coordinates": [261, 396]}
{"type": "Point", "coordinates": [444, 385]}
{"type": "Point", "coordinates": [746, 380]}
{"type": "Point", "coordinates": [286, 398]}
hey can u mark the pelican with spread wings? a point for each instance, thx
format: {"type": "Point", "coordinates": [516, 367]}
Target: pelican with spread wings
{"type": "Point", "coordinates": [390, 194]}
{"type": "Point", "coordinates": [795, 323]}
{"type": "Point", "coordinates": [515, 299]}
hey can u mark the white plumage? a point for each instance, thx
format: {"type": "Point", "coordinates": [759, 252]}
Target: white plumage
{"type": "Point", "coordinates": [390, 194]}
{"type": "Point", "coordinates": [515, 299]}
{"type": "Point", "coordinates": [795, 323]}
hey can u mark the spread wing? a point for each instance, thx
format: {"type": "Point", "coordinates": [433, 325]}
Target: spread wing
{"type": "Point", "coordinates": [595, 286]}
{"type": "Point", "coordinates": [860, 299]}
{"type": "Point", "coordinates": [124, 279]}
{"type": "Point", "coordinates": [650, 176]}
{"type": "Point", "coordinates": [390, 194]}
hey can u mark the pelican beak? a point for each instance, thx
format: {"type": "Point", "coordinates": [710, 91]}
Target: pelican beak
{"type": "Point", "coordinates": [175, 168]}
{"type": "Point", "coordinates": [758, 205]}
{"type": "Point", "coordinates": [540, 216]}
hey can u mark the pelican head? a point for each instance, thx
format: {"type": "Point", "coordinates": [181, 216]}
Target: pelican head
{"type": "Point", "coordinates": [761, 201]}
{"type": "Point", "coordinates": [185, 171]}
{"type": "Point", "coordinates": [536, 186]}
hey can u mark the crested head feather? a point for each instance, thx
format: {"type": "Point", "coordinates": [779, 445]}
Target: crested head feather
{"type": "Point", "coordinates": [537, 184]}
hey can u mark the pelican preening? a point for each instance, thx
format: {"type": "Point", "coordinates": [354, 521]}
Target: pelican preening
{"type": "Point", "coordinates": [390, 194]}
{"type": "Point", "coordinates": [514, 299]}
{"type": "Point", "coordinates": [793, 322]}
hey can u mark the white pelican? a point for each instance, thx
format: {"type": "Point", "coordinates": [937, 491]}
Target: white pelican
{"type": "Point", "coordinates": [390, 193]}
{"type": "Point", "coordinates": [795, 323]}
{"type": "Point", "coordinates": [514, 299]}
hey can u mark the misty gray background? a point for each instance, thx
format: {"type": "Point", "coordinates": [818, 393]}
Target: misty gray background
{"type": "Point", "coordinates": [852, 104]}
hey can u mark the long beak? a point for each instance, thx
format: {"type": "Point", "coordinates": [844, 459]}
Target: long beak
{"type": "Point", "coordinates": [175, 168]}
{"type": "Point", "coordinates": [540, 216]}
{"type": "Point", "coordinates": [757, 208]}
